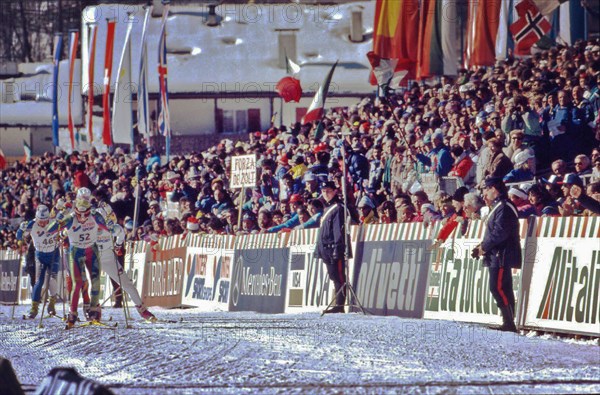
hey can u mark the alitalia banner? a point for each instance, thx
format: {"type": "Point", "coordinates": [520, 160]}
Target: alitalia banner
{"type": "Point", "coordinates": [564, 294]}
{"type": "Point", "coordinates": [458, 287]}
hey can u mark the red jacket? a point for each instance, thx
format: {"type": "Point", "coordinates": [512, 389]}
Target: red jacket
{"type": "Point", "coordinates": [80, 179]}
{"type": "Point", "coordinates": [462, 168]}
{"type": "Point", "coordinates": [452, 223]}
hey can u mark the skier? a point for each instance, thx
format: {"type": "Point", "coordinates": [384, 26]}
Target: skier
{"type": "Point", "coordinates": [108, 258]}
{"type": "Point", "coordinates": [46, 257]}
{"type": "Point", "coordinates": [82, 230]}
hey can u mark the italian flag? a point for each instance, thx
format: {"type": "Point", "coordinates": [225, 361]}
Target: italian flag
{"type": "Point", "coordinates": [2, 160]}
{"type": "Point", "coordinates": [27, 150]}
{"type": "Point", "coordinates": [317, 107]}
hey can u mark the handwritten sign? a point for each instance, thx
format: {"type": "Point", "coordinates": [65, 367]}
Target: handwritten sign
{"type": "Point", "coordinates": [243, 171]}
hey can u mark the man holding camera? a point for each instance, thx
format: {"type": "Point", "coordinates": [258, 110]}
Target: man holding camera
{"type": "Point", "coordinates": [500, 248]}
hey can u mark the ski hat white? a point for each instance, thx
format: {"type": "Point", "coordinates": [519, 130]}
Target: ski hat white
{"type": "Point", "coordinates": [84, 193]}
{"type": "Point", "coordinates": [42, 212]}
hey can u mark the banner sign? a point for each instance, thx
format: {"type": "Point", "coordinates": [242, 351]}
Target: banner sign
{"type": "Point", "coordinates": [391, 275]}
{"type": "Point", "coordinates": [134, 266]}
{"type": "Point", "coordinates": [564, 294]}
{"type": "Point", "coordinates": [64, 381]}
{"type": "Point", "coordinates": [9, 273]}
{"type": "Point", "coordinates": [458, 287]}
{"type": "Point", "coordinates": [260, 270]}
{"type": "Point", "coordinates": [243, 171]}
{"type": "Point", "coordinates": [163, 275]}
{"type": "Point", "coordinates": [207, 277]}
{"type": "Point", "coordinates": [309, 288]}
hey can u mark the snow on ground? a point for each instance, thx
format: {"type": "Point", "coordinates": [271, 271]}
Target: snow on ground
{"type": "Point", "coordinates": [255, 353]}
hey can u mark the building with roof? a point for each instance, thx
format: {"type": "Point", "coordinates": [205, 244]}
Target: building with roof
{"type": "Point", "coordinates": [223, 64]}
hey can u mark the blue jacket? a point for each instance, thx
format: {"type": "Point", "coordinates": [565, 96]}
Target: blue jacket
{"type": "Point", "coordinates": [444, 160]}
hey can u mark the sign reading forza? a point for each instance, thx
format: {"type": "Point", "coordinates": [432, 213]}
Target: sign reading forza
{"type": "Point", "coordinates": [392, 277]}
{"type": "Point", "coordinates": [258, 280]}
{"type": "Point", "coordinates": [564, 294]}
{"type": "Point", "coordinates": [459, 286]}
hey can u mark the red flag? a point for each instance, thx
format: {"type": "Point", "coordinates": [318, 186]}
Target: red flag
{"type": "Point", "coordinates": [529, 28]}
{"type": "Point", "coordinates": [92, 57]}
{"type": "Point", "coordinates": [108, 60]}
{"type": "Point", "coordinates": [396, 34]}
{"type": "Point", "coordinates": [2, 160]}
{"type": "Point", "coordinates": [289, 89]}
{"type": "Point", "coordinates": [482, 30]}
{"type": "Point", "coordinates": [73, 43]}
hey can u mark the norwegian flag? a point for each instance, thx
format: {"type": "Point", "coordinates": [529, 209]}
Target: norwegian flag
{"type": "Point", "coordinates": [164, 120]}
{"type": "Point", "coordinates": [529, 28]}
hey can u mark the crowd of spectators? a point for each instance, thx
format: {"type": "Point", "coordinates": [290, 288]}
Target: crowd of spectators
{"type": "Point", "coordinates": [533, 122]}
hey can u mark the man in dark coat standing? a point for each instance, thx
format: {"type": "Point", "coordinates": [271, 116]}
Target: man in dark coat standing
{"type": "Point", "coordinates": [500, 248]}
{"type": "Point", "coordinates": [331, 243]}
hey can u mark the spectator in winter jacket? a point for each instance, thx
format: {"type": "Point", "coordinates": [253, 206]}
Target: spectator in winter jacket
{"type": "Point", "coordinates": [439, 159]}
{"type": "Point", "coordinates": [522, 171]}
{"type": "Point", "coordinates": [462, 162]}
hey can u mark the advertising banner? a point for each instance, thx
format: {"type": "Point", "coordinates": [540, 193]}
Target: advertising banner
{"type": "Point", "coordinates": [564, 293]}
{"type": "Point", "coordinates": [391, 269]}
{"type": "Point", "coordinates": [163, 274]}
{"type": "Point", "coordinates": [9, 274]}
{"type": "Point", "coordinates": [207, 276]}
{"type": "Point", "coordinates": [309, 288]}
{"type": "Point", "coordinates": [458, 287]}
{"type": "Point", "coordinates": [260, 271]}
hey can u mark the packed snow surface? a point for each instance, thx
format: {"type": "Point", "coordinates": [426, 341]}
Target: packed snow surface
{"type": "Point", "coordinates": [220, 352]}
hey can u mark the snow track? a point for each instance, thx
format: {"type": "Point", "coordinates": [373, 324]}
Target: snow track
{"type": "Point", "coordinates": [253, 353]}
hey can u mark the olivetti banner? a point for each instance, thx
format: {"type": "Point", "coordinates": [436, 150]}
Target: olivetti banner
{"type": "Point", "coordinates": [391, 275]}
{"type": "Point", "coordinates": [564, 294]}
{"type": "Point", "coordinates": [458, 286]}
{"type": "Point", "coordinates": [259, 278]}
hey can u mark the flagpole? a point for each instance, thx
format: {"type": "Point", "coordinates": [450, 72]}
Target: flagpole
{"type": "Point", "coordinates": [132, 147]}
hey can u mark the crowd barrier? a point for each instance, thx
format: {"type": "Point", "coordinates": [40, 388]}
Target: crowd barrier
{"type": "Point", "coordinates": [393, 269]}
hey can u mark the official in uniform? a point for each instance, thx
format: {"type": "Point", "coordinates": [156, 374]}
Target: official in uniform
{"type": "Point", "coordinates": [331, 243]}
{"type": "Point", "coordinates": [500, 248]}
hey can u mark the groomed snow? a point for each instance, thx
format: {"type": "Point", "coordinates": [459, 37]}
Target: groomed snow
{"type": "Point", "coordinates": [255, 353]}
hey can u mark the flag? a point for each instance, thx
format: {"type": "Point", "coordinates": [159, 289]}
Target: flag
{"type": "Point", "coordinates": [482, 32]}
{"type": "Point", "coordinates": [73, 43]}
{"type": "Point", "coordinates": [27, 150]}
{"type": "Point", "coordinates": [164, 121]}
{"type": "Point", "coordinates": [317, 107]}
{"type": "Point", "coordinates": [504, 41]}
{"type": "Point", "coordinates": [57, 50]}
{"type": "Point", "coordinates": [529, 28]}
{"type": "Point", "coordinates": [571, 23]}
{"type": "Point", "coordinates": [91, 61]}
{"type": "Point", "coordinates": [547, 6]}
{"type": "Point", "coordinates": [122, 117]}
{"type": "Point", "coordinates": [396, 33]}
{"type": "Point", "coordinates": [437, 51]}
{"type": "Point", "coordinates": [289, 89]}
{"type": "Point", "coordinates": [291, 67]}
{"type": "Point", "coordinates": [143, 113]}
{"type": "Point", "coordinates": [108, 60]}
{"type": "Point", "coordinates": [384, 71]}
{"type": "Point", "coordinates": [2, 160]}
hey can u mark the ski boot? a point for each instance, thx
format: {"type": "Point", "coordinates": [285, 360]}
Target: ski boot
{"type": "Point", "coordinates": [51, 303]}
{"type": "Point", "coordinates": [34, 310]}
{"type": "Point", "coordinates": [94, 314]}
{"type": "Point", "coordinates": [146, 314]}
{"type": "Point", "coordinates": [118, 300]}
{"type": "Point", "coordinates": [71, 320]}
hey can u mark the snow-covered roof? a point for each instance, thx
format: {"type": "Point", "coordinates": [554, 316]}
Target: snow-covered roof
{"type": "Point", "coordinates": [32, 94]}
{"type": "Point", "coordinates": [241, 54]}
